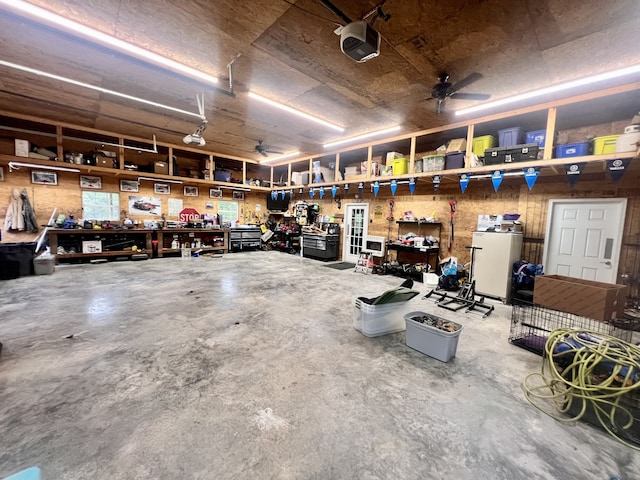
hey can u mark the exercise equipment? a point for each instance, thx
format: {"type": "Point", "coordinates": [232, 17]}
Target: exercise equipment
{"type": "Point", "coordinates": [466, 297]}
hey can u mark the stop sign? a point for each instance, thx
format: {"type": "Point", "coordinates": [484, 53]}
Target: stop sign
{"type": "Point", "coordinates": [189, 215]}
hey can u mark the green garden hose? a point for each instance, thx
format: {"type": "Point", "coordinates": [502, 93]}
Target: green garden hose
{"type": "Point", "coordinates": [590, 368]}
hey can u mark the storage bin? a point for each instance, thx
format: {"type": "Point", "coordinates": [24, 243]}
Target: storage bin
{"type": "Point", "coordinates": [495, 156]}
{"type": "Point", "coordinates": [432, 341]}
{"type": "Point", "coordinates": [418, 165]}
{"type": "Point", "coordinates": [605, 145]}
{"type": "Point", "coordinates": [480, 144]}
{"type": "Point", "coordinates": [629, 140]}
{"type": "Point", "coordinates": [457, 145]}
{"type": "Point", "coordinates": [536, 136]}
{"type": "Point", "coordinates": [399, 166]}
{"type": "Point", "coordinates": [376, 320]}
{"type": "Point", "coordinates": [22, 252]}
{"type": "Point", "coordinates": [509, 136]}
{"type": "Point", "coordinates": [221, 176]}
{"type": "Point", "coordinates": [44, 265]}
{"type": "Point", "coordinates": [454, 160]}
{"type": "Point", "coordinates": [432, 163]}
{"type": "Point", "coordinates": [573, 150]}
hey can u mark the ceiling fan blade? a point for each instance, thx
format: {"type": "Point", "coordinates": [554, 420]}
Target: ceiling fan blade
{"type": "Point", "coordinates": [470, 96]}
{"type": "Point", "coordinates": [263, 153]}
{"type": "Point", "coordinates": [274, 152]}
{"type": "Point", "coordinates": [468, 80]}
{"type": "Point", "coordinates": [439, 106]}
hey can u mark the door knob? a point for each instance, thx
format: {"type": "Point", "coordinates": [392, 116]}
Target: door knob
{"type": "Point", "coordinates": [607, 263]}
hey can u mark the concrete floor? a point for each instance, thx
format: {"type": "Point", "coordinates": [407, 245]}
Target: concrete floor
{"type": "Point", "coordinates": [248, 367]}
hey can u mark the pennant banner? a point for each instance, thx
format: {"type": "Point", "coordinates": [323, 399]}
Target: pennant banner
{"type": "Point", "coordinates": [496, 179]}
{"type": "Point", "coordinates": [617, 168]}
{"type": "Point", "coordinates": [321, 192]}
{"type": "Point", "coordinates": [283, 194]}
{"type": "Point", "coordinates": [360, 188]}
{"type": "Point", "coordinates": [346, 188]}
{"type": "Point", "coordinates": [311, 192]}
{"type": "Point", "coordinates": [436, 182]}
{"type": "Point", "coordinates": [412, 184]}
{"type": "Point", "coordinates": [464, 181]}
{"type": "Point", "coordinates": [394, 186]}
{"type": "Point", "coordinates": [274, 195]}
{"type": "Point", "coordinates": [334, 189]}
{"type": "Point", "coordinates": [573, 172]}
{"type": "Point", "coordinates": [291, 194]}
{"type": "Point", "coordinates": [530, 176]}
{"type": "Point", "coordinates": [376, 188]}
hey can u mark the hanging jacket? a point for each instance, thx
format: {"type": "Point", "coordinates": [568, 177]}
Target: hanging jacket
{"type": "Point", "coordinates": [14, 219]}
{"type": "Point", "coordinates": [29, 216]}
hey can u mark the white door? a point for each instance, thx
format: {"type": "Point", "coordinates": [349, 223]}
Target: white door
{"type": "Point", "coordinates": [356, 222]}
{"type": "Point", "coordinates": [584, 237]}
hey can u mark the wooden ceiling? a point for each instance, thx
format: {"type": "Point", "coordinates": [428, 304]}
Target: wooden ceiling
{"type": "Point", "coordinates": [288, 52]}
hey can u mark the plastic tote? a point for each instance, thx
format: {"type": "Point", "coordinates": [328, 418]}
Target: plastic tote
{"type": "Point", "coordinates": [376, 320]}
{"type": "Point", "coordinates": [430, 340]}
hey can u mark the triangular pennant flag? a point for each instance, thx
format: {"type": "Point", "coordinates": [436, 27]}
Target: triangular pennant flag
{"type": "Point", "coordinates": [360, 188]}
{"type": "Point", "coordinates": [436, 182]}
{"type": "Point", "coordinates": [394, 186]}
{"type": "Point", "coordinates": [291, 194]}
{"type": "Point", "coordinates": [530, 176]}
{"type": "Point", "coordinates": [346, 188]}
{"type": "Point", "coordinates": [376, 188]}
{"type": "Point", "coordinates": [496, 179]}
{"type": "Point", "coordinates": [274, 195]}
{"type": "Point", "coordinates": [300, 192]}
{"type": "Point", "coordinates": [311, 193]}
{"type": "Point", "coordinates": [573, 172]}
{"type": "Point", "coordinates": [617, 168]}
{"type": "Point", "coordinates": [283, 193]}
{"type": "Point", "coordinates": [334, 190]}
{"type": "Point", "coordinates": [412, 184]}
{"type": "Point", "coordinates": [464, 181]}
{"type": "Point", "coordinates": [321, 192]}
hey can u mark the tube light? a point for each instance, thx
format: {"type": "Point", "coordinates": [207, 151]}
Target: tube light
{"type": "Point", "coordinates": [93, 87]}
{"type": "Point", "coordinates": [17, 165]}
{"type": "Point", "coordinates": [552, 89]}
{"type": "Point", "coordinates": [159, 180]}
{"type": "Point", "coordinates": [49, 17]}
{"type": "Point", "coordinates": [281, 157]}
{"type": "Point", "coordinates": [239, 189]}
{"type": "Point", "coordinates": [361, 137]}
{"type": "Point", "coordinates": [288, 109]}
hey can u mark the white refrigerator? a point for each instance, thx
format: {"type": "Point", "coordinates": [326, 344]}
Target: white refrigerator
{"type": "Point", "coordinates": [493, 266]}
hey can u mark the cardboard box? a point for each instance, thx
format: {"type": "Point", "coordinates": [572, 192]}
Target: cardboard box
{"type": "Point", "coordinates": [22, 148]}
{"type": "Point", "coordinates": [595, 300]}
{"type": "Point", "coordinates": [92, 246]}
{"type": "Point", "coordinates": [161, 167]}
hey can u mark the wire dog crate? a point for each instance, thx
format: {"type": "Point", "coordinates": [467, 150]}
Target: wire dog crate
{"type": "Point", "coordinates": [531, 325]}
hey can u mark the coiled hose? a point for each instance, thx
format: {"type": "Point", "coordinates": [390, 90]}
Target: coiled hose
{"type": "Point", "coordinates": [582, 369]}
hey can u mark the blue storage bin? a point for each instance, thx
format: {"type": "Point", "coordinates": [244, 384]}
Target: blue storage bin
{"type": "Point", "coordinates": [536, 136]}
{"type": "Point", "coordinates": [573, 150]}
{"type": "Point", "coordinates": [509, 136]}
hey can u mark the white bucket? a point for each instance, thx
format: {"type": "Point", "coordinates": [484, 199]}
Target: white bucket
{"type": "Point", "coordinates": [430, 280]}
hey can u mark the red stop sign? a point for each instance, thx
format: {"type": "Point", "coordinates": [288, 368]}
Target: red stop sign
{"type": "Point", "coordinates": [189, 215]}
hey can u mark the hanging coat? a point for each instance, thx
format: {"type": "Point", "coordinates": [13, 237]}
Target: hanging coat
{"type": "Point", "coordinates": [14, 219]}
{"type": "Point", "coordinates": [29, 216]}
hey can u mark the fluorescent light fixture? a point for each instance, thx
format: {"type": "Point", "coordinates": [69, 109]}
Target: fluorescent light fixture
{"type": "Point", "coordinates": [273, 103]}
{"type": "Point", "coordinates": [17, 165]}
{"type": "Point", "coordinates": [554, 88]}
{"type": "Point", "coordinates": [281, 157]}
{"type": "Point", "coordinates": [361, 137]}
{"type": "Point", "coordinates": [48, 17]}
{"type": "Point", "coordinates": [97, 89]}
{"type": "Point", "coordinates": [159, 180]}
{"type": "Point", "coordinates": [240, 189]}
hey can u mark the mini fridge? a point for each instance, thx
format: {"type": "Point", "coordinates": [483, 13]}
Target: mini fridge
{"type": "Point", "coordinates": [493, 265]}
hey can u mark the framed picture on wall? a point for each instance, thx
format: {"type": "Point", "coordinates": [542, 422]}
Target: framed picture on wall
{"type": "Point", "coordinates": [44, 178]}
{"type": "Point", "coordinates": [162, 188]}
{"type": "Point", "coordinates": [190, 191]}
{"type": "Point", "coordinates": [215, 193]}
{"type": "Point", "coordinates": [238, 195]}
{"type": "Point", "coordinates": [94, 183]}
{"type": "Point", "coordinates": [129, 186]}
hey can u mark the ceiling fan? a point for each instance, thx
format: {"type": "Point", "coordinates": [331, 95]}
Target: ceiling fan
{"type": "Point", "coordinates": [445, 89]}
{"type": "Point", "coordinates": [264, 150]}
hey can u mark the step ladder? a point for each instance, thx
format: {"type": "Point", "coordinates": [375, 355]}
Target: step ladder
{"type": "Point", "coordinates": [364, 264]}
